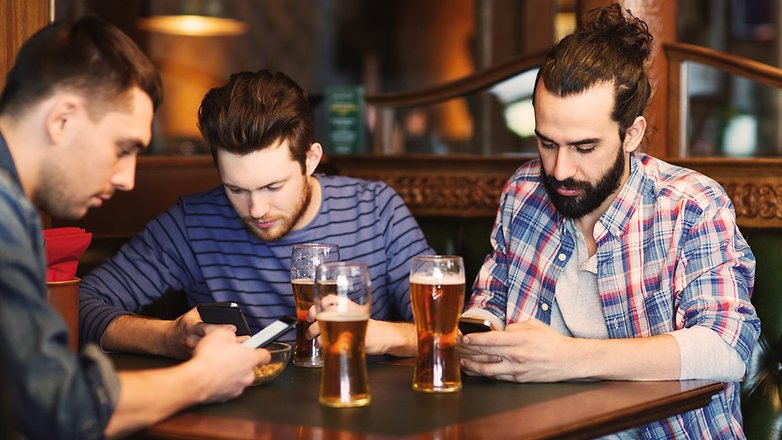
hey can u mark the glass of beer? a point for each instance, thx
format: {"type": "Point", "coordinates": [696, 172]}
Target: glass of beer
{"type": "Point", "coordinates": [343, 303]}
{"type": "Point", "coordinates": [305, 258]}
{"type": "Point", "coordinates": [437, 296]}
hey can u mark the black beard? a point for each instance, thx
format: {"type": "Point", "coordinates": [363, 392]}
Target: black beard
{"type": "Point", "coordinates": [592, 196]}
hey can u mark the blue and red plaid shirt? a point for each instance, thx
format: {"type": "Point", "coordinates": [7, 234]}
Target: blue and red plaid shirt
{"type": "Point", "coordinates": [669, 256]}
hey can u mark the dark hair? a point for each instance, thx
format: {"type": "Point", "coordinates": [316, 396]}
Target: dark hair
{"type": "Point", "coordinates": [254, 111]}
{"type": "Point", "coordinates": [89, 56]}
{"type": "Point", "coordinates": [610, 49]}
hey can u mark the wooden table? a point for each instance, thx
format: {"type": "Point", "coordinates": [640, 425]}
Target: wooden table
{"type": "Point", "coordinates": [288, 408]}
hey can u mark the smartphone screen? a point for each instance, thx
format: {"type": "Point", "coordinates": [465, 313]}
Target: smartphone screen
{"type": "Point", "coordinates": [224, 313]}
{"type": "Point", "coordinates": [271, 332]}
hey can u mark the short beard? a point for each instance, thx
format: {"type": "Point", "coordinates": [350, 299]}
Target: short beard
{"type": "Point", "coordinates": [287, 222]}
{"type": "Point", "coordinates": [591, 197]}
{"type": "Point", "coordinates": [54, 198]}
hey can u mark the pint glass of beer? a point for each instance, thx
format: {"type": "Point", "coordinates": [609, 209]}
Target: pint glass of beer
{"type": "Point", "coordinates": [343, 303]}
{"type": "Point", "coordinates": [437, 296]}
{"type": "Point", "coordinates": [305, 258]}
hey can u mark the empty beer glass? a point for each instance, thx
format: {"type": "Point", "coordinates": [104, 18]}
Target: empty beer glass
{"type": "Point", "coordinates": [305, 258]}
{"type": "Point", "coordinates": [437, 296]}
{"type": "Point", "coordinates": [343, 303]}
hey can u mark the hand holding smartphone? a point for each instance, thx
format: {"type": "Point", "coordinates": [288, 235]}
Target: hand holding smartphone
{"type": "Point", "coordinates": [224, 313]}
{"type": "Point", "coordinates": [271, 332]}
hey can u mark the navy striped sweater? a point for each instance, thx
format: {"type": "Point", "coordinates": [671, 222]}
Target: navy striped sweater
{"type": "Point", "coordinates": [200, 246]}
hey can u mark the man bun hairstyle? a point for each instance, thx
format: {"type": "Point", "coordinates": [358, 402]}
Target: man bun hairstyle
{"type": "Point", "coordinates": [256, 110]}
{"type": "Point", "coordinates": [611, 48]}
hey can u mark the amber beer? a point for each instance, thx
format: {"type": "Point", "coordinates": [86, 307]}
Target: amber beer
{"type": "Point", "coordinates": [306, 353]}
{"type": "Point", "coordinates": [305, 258]}
{"type": "Point", "coordinates": [437, 303]}
{"type": "Point", "coordinates": [344, 380]}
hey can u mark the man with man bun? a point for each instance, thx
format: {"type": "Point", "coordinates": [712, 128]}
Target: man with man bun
{"type": "Point", "coordinates": [608, 263]}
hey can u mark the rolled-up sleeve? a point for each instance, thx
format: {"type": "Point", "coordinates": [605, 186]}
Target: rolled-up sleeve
{"type": "Point", "coordinates": [715, 281]}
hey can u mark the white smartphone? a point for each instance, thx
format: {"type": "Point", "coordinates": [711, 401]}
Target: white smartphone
{"type": "Point", "coordinates": [271, 332]}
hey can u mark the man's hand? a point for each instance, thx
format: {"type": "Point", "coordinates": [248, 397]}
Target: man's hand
{"type": "Point", "coordinates": [531, 351]}
{"type": "Point", "coordinates": [220, 369]}
{"type": "Point", "coordinates": [528, 351]}
{"type": "Point", "coordinates": [383, 337]}
{"type": "Point", "coordinates": [228, 366]}
{"type": "Point", "coordinates": [175, 339]}
{"type": "Point", "coordinates": [186, 331]}
{"type": "Point", "coordinates": [394, 338]}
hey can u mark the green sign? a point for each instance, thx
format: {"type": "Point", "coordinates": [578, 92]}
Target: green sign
{"type": "Point", "coordinates": [345, 119]}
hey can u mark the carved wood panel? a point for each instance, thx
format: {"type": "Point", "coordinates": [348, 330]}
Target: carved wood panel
{"type": "Point", "coordinates": [471, 188]}
{"type": "Point", "coordinates": [756, 204]}
{"type": "Point", "coordinates": [459, 194]}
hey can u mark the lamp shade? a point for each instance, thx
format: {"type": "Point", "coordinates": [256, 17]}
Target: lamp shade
{"type": "Point", "coordinates": [204, 18]}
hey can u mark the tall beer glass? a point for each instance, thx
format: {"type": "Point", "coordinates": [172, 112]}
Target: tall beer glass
{"type": "Point", "coordinates": [305, 258]}
{"type": "Point", "coordinates": [343, 303]}
{"type": "Point", "coordinates": [437, 296]}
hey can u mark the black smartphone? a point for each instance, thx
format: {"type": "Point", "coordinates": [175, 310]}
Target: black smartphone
{"type": "Point", "coordinates": [271, 332]}
{"type": "Point", "coordinates": [474, 325]}
{"type": "Point", "coordinates": [224, 313]}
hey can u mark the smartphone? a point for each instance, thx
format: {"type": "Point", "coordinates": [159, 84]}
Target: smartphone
{"type": "Point", "coordinates": [271, 332]}
{"type": "Point", "coordinates": [224, 313]}
{"type": "Point", "coordinates": [474, 325]}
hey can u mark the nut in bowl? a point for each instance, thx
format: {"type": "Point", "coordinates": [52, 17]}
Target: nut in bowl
{"type": "Point", "coordinates": [280, 352]}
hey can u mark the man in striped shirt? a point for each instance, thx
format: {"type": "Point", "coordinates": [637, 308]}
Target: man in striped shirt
{"type": "Point", "coordinates": [608, 263]}
{"type": "Point", "coordinates": [234, 243]}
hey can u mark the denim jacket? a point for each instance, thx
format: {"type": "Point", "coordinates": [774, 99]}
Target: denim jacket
{"type": "Point", "coordinates": [55, 393]}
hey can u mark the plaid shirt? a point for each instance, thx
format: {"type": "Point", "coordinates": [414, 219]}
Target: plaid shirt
{"type": "Point", "coordinates": [669, 256]}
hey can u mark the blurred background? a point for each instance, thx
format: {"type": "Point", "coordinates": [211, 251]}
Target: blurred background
{"type": "Point", "coordinates": [380, 46]}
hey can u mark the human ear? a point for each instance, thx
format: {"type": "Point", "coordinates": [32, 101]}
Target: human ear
{"type": "Point", "coordinates": [314, 154]}
{"type": "Point", "coordinates": [634, 135]}
{"type": "Point", "coordinates": [61, 117]}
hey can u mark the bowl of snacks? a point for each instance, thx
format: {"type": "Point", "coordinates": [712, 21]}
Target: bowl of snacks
{"type": "Point", "coordinates": [280, 352]}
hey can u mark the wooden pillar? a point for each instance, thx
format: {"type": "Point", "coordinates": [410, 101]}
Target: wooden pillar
{"type": "Point", "coordinates": [660, 16]}
{"type": "Point", "coordinates": [20, 19]}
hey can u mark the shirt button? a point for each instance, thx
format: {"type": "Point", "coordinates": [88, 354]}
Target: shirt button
{"type": "Point", "coordinates": [544, 307]}
{"type": "Point", "coordinates": [561, 257]}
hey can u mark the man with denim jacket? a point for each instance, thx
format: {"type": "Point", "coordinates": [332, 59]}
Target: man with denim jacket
{"type": "Point", "coordinates": [75, 111]}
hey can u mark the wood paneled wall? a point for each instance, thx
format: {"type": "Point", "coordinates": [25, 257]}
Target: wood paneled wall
{"type": "Point", "coordinates": [20, 19]}
{"type": "Point", "coordinates": [461, 187]}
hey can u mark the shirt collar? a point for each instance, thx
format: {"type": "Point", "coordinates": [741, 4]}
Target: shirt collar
{"type": "Point", "coordinates": [615, 219]}
{"type": "Point", "coordinates": [7, 162]}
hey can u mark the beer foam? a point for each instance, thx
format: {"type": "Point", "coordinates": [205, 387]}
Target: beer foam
{"type": "Point", "coordinates": [342, 317]}
{"type": "Point", "coordinates": [441, 278]}
{"type": "Point", "coordinates": [309, 281]}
